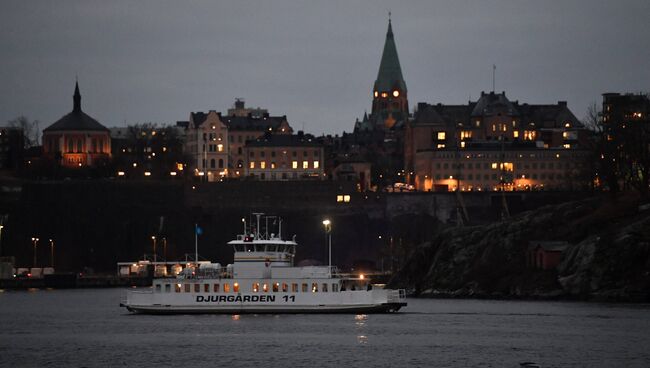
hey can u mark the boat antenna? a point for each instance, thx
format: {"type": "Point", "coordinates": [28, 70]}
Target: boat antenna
{"type": "Point", "coordinates": [280, 228]}
{"type": "Point", "coordinates": [257, 231]}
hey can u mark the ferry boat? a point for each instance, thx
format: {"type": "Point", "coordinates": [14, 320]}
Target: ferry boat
{"type": "Point", "coordinates": [263, 279]}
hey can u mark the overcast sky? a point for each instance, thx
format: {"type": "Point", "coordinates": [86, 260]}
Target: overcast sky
{"type": "Point", "coordinates": [314, 61]}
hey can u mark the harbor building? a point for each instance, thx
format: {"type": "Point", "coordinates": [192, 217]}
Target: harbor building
{"type": "Point", "coordinates": [495, 144]}
{"type": "Point", "coordinates": [77, 139]}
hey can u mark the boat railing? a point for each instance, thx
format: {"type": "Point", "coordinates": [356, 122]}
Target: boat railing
{"type": "Point", "coordinates": [396, 296]}
{"type": "Point", "coordinates": [206, 273]}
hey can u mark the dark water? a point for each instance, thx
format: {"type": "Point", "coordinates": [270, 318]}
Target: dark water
{"type": "Point", "coordinates": [77, 328]}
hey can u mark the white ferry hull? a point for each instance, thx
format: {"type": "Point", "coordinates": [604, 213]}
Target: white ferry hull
{"type": "Point", "coordinates": [375, 301]}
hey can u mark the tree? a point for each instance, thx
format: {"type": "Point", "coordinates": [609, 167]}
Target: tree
{"type": "Point", "coordinates": [604, 165]}
{"type": "Point", "coordinates": [29, 128]}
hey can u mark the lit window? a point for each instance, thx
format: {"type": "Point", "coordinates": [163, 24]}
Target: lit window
{"type": "Point", "coordinates": [339, 198]}
{"type": "Point", "coordinates": [376, 93]}
{"type": "Point", "coordinates": [316, 164]}
{"type": "Point", "coordinates": [220, 147]}
{"type": "Point", "coordinates": [305, 164]}
{"type": "Point", "coordinates": [265, 288]}
{"type": "Point", "coordinates": [263, 165]}
{"type": "Point", "coordinates": [272, 165]}
{"type": "Point", "coordinates": [440, 145]}
{"type": "Point", "coordinates": [314, 287]}
{"type": "Point", "coordinates": [515, 134]}
{"type": "Point", "coordinates": [567, 146]}
{"type": "Point", "coordinates": [235, 287]}
{"type": "Point", "coordinates": [256, 287]}
{"type": "Point", "coordinates": [441, 136]}
{"type": "Point", "coordinates": [384, 94]}
{"type": "Point", "coordinates": [494, 128]}
{"type": "Point", "coordinates": [226, 288]}
{"type": "Point", "coordinates": [346, 198]}
{"type": "Point", "coordinates": [395, 93]}
{"type": "Point", "coordinates": [462, 144]}
{"type": "Point", "coordinates": [276, 287]}
{"type": "Point", "coordinates": [252, 164]}
{"type": "Point", "coordinates": [177, 288]}
{"type": "Point", "coordinates": [294, 164]}
{"type": "Point", "coordinates": [494, 165]}
{"type": "Point", "coordinates": [465, 134]}
{"type": "Point", "coordinates": [530, 135]}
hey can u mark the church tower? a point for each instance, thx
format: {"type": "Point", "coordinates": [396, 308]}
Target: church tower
{"type": "Point", "coordinates": [389, 103]}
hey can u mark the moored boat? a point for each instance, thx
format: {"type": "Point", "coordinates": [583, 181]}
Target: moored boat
{"type": "Point", "coordinates": [263, 279]}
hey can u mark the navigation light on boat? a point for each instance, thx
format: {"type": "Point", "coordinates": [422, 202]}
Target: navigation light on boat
{"type": "Point", "coordinates": [248, 238]}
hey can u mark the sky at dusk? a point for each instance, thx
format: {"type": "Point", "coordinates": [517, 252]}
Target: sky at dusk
{"type": "Point", "coordinates": [314, 61]}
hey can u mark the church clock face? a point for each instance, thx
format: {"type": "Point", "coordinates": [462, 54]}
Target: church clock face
{"type": "Point", "coordinates": [395, 93]}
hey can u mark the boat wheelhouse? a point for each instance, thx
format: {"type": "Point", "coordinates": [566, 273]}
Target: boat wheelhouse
{"type": "Point", "coordinates": [263, 279]}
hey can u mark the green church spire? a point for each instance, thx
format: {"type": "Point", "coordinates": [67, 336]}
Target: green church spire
{"type": "Point", "coordinates": [390, 72]}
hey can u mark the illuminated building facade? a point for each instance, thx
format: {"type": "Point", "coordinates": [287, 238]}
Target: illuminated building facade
{"type": "Point", "coordinates": [77, 140]}
{"type": "Point", "coordinates": [285, 157]}
{"type": "Point", "coordinates": [217, 142]}
{"type": "Point", "coordinates": [495, 144]}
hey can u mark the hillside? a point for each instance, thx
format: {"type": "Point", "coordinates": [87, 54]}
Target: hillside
{"type": "Point", "coordinates": [608, 257]}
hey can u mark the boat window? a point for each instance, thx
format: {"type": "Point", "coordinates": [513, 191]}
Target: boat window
{"type": "Point", "coordinates": [197, 288]}
{"type": "Point", "coordinates": [271, 248]}
{"type": "Point", "coordinates": [256, 287]}
{"type": "Point", "coordinates": [177, 288]}
{"type": "Point", "coordinates": [304, 288]}
{"type": "Point", "coordinates": [324, 289]}
{"type": "Point", "coordinates": [259, 248]}
{"type": "Point", "coordinates": [285, 287]}
{"type": "Point", "coordinates": [168, 288]}
{"type": "Point", "coordinates": [235, 287]}
{"type": "Point", "coordinates": [187, 288]}
{"type": "Point", "coordinates": [226, 288]}
{"type": "Point", "coordinates": [206, 288]}
{"type": "Point", "coordinates": [265, 288]}
{"type": "Point", "coordinates": [335, 288]}
{"type": "Point", "coordinates": [276, 287]}
{"type": "Point", "coordinates": [215, 288]}
{"type": "Point", "coordinates": [157, 288]}
{"type": "Point", "coordinates": [314, 287]}
{"type": "Point", "coordinates": [294, 288]}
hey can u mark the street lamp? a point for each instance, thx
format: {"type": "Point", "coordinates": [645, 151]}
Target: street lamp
{"type": "Point", "coordinates": [153, 238]}
{"type": "Point", "coordinates": [35, 242]}
{"type": "Point", "coordinates": [52, 253]}
{"type": "Point", "coordinates": [328, 230]}
{"type": "Point", "coordinates": [1, 227]}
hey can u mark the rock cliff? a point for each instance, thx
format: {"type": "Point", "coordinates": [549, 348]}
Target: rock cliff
{"type": "Point", "coordinates": [608, 256]}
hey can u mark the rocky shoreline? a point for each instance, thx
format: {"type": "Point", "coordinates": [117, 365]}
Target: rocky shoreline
{"type": "Point", "coordinates": [607, 259]}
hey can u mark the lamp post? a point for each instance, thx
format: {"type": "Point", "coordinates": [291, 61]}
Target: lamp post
{"type": "Point", "coordinates": [328, 230]}
{"type": "Point", "coordinates": [52, 253]}
{"type": "Point", "coordinates": [35, 243]}
{"type": "Point", "coordinates": [1, 227]}
{"type": "Point", "coordinates": [153, 239]}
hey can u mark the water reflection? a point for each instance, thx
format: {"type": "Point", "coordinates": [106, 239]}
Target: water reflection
{"type": "Point", "coordinates": [235, 317]}
{"type": "Point", "coordinates": [360, 321]}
